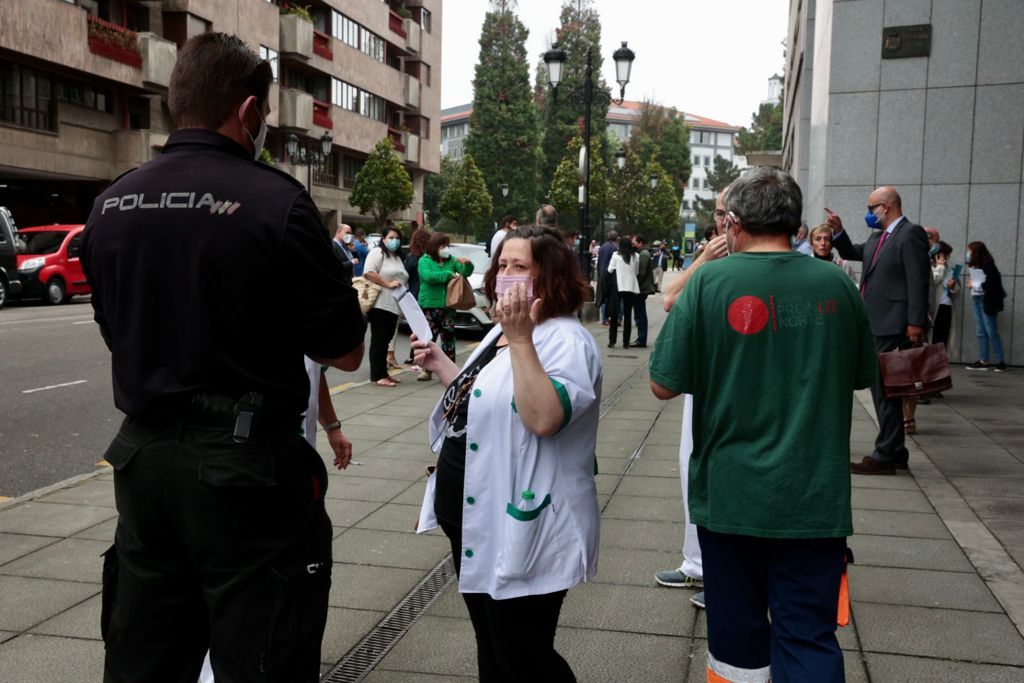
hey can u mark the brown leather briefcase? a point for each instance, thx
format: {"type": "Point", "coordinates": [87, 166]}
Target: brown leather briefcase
{"type": "Point", "coordinates": [916, 371]}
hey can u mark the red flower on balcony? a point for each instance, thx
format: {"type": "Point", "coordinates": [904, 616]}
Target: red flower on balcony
{"type": "Point", "coordinates": [322, 114]}
{"type": "Point", "coordinates": [113, 42]}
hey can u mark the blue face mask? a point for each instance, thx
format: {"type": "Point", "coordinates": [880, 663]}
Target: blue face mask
{"type": "Point", "coordinates": [934, 250]}
{"type": "Point", "coordinates": [393, 244]}
{"type": "Point", "coordinates": [872, 220]}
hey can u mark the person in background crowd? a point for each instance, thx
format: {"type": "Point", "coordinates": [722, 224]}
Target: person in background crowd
{"type": "Point", "coordinates": [821, 245]}
{"type": "Point", "coordinates": [606, 295]}
{"type": "Point", "coordinates": [942, 272]}
{"type": "Point", "coordinates": [436, 267]}
{"type": "Point", "coordinates": [645, 280]}
{"type": "Point", "coordinates": [514, 487]}
{"type": "Point", "coordinates": [220, 500]}
{"type": "Point", "coordinates": [987, 294]}
{"type": "Point", "coordinates": [384, 267]}
{"type": "Point", "coordinates": [894, 284]}
{"type": "Point", "coordinates": [417, 247]}
{"type": "Point", "coordinates": [624, 266]}
{"type": "Point", "coordinates": [659, 259]}
{"type": "Point", "coordinates": [393, 345]}
{"type": "Point", "coordinates": [361, 249]}
{"type": "Point", "coordinates": [677, 256]}
{"type": "Point", "coordinates": [933, 240]}
{"type": "Point", "coordinates": [344, 250]}
{"type": "Point", "coordinates": [773, 527]}
{"type": "Point", "coordinates": [547, 216]}
{"type": "Point", "coordinates": [508, 224]}
{"type": "Point", "coordinates": [800, 242]}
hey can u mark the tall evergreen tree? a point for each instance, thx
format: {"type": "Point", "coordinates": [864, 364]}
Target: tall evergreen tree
{"type": "Point", "coordinates": [639, 208]}
{"type": "Point", "coordinates": [765, 131]}
{"type": "Point", "coordinates": [719, 178]}
{"type": "Point", "coordinates": [562, 113]}
{"type": "Point", "coordinates": [434, 185]}
{"type": "Point", "coordinates": [504, 135]}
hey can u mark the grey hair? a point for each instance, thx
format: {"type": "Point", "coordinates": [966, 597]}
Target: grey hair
{"type": "Point", "coordinates": [766, 201]}
{"type": "Point", "coordinates": [547, 216]}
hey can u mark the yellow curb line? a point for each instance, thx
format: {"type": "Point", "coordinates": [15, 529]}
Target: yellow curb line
{"type": "Point", "coordinates": [103, 463]}
{"type": "Point", "coordinates": [5, 497]}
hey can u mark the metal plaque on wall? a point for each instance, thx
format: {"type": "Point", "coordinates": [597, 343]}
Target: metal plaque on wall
{"type": "Point", "coordinates": [906, 41]}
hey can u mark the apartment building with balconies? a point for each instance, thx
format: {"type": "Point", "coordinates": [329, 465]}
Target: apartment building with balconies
{"type": "Point", "coordinates": [83, 88]}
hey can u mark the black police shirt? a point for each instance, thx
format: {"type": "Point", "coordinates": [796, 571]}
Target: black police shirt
{"type": "Point", "coordinates": [211, 272]}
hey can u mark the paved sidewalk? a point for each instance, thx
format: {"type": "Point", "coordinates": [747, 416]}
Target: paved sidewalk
{"type": "Point", "coordinates": [938, 589]}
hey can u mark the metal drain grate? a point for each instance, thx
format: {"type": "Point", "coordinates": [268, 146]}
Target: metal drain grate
{"type": "Point", "coordinates": [361, 659]}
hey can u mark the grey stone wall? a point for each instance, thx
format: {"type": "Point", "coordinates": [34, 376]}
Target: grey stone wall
{"type": "Point", "coordinates": [947, 130]}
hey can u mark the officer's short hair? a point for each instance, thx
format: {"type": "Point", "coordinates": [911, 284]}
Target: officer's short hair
{"type": "Point", "coordinates": [214, 73]}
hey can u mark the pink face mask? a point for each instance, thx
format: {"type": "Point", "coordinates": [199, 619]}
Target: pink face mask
{"type": "Point", "coordinates": [504, 283]}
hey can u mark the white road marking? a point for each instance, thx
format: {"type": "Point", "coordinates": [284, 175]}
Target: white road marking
{"type": "Point", "coordinates": [27, 321]}
{"type": "Point", "coordinates": [85, 322]}
{"type": "Point", "coordinates": [55, 386]}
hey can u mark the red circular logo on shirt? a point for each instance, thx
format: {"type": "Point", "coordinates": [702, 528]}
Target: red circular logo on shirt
{"type": "Point", "coordinates": [748, 315]}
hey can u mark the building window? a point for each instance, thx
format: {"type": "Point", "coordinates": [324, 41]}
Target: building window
{"type": "Point", "coordinates": [704, 183]}
{"type": "Point", "coordinates": [344, 29]}
{"type": "Point", "coordinates": [696, 160]}
{"type": "Point", "coordinates": [269, 55]}
{"type": "Point", "coordinates": [371, 44]}
{"type": "Point", "coordinates": [425, 74]}
{"type": "Point", "coordinates": [701, 137]}
{"type": "Point", "coordinates": [707, 162]}
{"type": "Point", "coordinates": [350, 169]}
{"type": "Point", "coordinates": [371, 106]}
{"type": "Point", "coordinates": [26, 97]}
{"type": "Point", "coordinates": [425, 19]}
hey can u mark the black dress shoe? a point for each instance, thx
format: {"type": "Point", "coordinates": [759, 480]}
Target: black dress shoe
{"type": "Point", "coordinates": [636, 345]}
{"type": "Point", "coordinates": [871, 466]}
{"type": "Point", "coordinates": [625, 345]}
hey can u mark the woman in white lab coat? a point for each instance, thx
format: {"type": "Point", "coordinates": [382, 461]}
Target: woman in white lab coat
{"type": "Point", "coordinates": [515, 432]}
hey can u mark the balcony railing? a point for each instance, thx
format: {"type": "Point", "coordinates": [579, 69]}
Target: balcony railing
{"type": "Point", "coordinates": [39, 119]}
{"type": "Point", "coordinates": [322, 114]}
{"type": "Point", "coordinates": [396, 139]}
{"type": "Point", "coordinates": [114, 42]}
{"type": "Point", "coordinates": [327, 178]}
{"type": "Point", "coordinates": [396, 23]}
{"type": "Point", "coordinates": [322, 45]}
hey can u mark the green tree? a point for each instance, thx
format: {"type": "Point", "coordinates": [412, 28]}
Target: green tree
{"type": "Point", "coordinates": [466, 199]}
{"type": "Point", "coordinates": [662, 133]}
{"type": "Point", "coordinates": [719, 177]}
{"type": "Point", "coordinates": [383, 186]}
{"type": "Point", "coordinates": [639, 208]}
{"type": "Point", "coordinates": [765, 132]}
{"type": "Point", "coordinates": [565, 187]}
{"type": "Point", "coordinates": [562, 112]}
{"type": "Point", "coordinates": [434, 186]}
{"type": "Point", "coordinates": [504, 135]}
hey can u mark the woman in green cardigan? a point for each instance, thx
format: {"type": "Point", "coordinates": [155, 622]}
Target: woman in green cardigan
{"type": "Point", "coordinates": [436, 268]}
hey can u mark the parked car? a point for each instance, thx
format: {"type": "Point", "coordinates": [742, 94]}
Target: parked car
{"type": "Point", "coordinates": [478, 317]}
{"type": "Point", "coordinates": [10, 279]}
{"type": "Point", "coordinates": [49, 263]}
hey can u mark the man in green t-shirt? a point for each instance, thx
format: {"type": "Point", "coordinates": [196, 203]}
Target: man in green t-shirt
{"type": "Point", "coordinates": [769, 480]}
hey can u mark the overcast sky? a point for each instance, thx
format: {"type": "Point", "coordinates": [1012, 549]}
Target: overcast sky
{"type": "Point", "coordinates": [706, 57]}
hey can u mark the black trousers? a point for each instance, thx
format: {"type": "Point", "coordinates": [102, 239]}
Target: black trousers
{"type": "Point", "coordinates": [942, 324]}
{"type": "Point", "coordinates": [890, 444]}
{"type": "Point", "coordinates": [515, 638]}
{"type": "Point", "coordinates": [382, 329]}
{"type": "Point", "coordinates": [219, 545]}
{"type": "Point", "coordinates": [626, 306]}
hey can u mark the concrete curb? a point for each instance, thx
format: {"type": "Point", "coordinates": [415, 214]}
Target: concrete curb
{"type": "Point", "coordinates": [66, 483]}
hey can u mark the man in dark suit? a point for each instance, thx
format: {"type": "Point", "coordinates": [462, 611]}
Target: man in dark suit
{"type": "Point", "coordinates": [343, 247]}
{"type": "Point", "coordinates": [894, 283]}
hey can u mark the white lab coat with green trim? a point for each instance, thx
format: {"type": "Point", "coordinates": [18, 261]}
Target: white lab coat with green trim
{"type": "Point", "coordinates": [507, 553]}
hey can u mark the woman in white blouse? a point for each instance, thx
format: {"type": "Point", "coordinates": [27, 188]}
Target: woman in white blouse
{"type": "Point", "coordinates": [625, 264]}
{"type": "Point", "coordinates": [386, 268]}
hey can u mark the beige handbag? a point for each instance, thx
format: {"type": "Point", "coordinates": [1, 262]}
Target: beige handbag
{"type": "Point", "coordinates": [460, 294]}
{"type": "Point", "coordinates": [367, 293]}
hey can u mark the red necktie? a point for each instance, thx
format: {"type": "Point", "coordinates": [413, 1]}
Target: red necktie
{"type": "Point", "coordinates": [874, 257]}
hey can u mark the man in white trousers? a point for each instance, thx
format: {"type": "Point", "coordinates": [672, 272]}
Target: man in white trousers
{"type": "Point", "coordinates": [691, 573]}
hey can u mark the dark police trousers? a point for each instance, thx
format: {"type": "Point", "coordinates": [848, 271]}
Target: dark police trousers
{"type": "Point", "coordinates": [219, 545]}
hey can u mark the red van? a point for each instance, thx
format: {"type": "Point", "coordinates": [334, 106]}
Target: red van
{"type": "Point", "coordinates": [49, 264]}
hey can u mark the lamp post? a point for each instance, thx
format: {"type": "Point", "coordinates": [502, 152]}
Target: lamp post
{"type": "Point", "coordinates": [654, 180]}
{"type": "Point", "coordinates": [620, 158]}
{"type": "Point", "coordinates": [304, 156]}
{"type": "Point", "coordinates": [555, 59]}
{"type": "Point", "coordinates": [504, 190]}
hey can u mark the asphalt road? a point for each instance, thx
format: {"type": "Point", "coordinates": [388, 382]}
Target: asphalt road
{"type": "Point", "coordinates": [57, 412]}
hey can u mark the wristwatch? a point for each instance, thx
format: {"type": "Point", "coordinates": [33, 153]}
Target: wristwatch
{"type": "Point", "coordinates": [334, 425]}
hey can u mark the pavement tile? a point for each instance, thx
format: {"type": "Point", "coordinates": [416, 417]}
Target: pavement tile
{"type": "Point", "coordinates": [622, 533]}
{"type": "Point", "coordinates": [416, 436]}
{"type": "Point", "coordinates": [52, 519]}
{"type": "Point", "coordinates": [898, 668]}
{"type": "Point", "coordinates": [901, 482]}
{"type": "Point", "coordinates": [7, 635]}
{"type": "Point", "coordinates": [616, 656]}
{"type": "Point", "coordinates": [29, 601]}
{"type": "Point", "coordinates": [644, 508]}
{"type": "Point", "coordinates": [345, 628]}
{"type": "Point", "coordinates": [359, 586]}
{"type": "Point", "coordinates": [635, 567]}
{"type": "Point", "coordinates": [659, 487]}
{"type": "Point", "coordinates": [992, 507]}
{"type": "Point", "coordinates": [649, 467]}
{"type": "Point", "coordinates": [921, 587]}
{"type": "Point", "coordinates": [81, 621]}
{"type": "Point", "coordinates": [104, 531]}
{"type": "Point", "coordinates": [351, 487]}
{"type": "Point", "coordinates": [941, 633]}
{"type": "Point", "coordinates": [392, 517]}
{"type": "Point", "coordinates": [381, 676]}
{"type": "Point", "coordinates": [912, 553]}
{"type": "Point", "coordinates": [846, 636]}
{"type": "Point", "coordinates": [855, 671]}
{"type": "Point", "coordinates": [73, 559]}
{"type": "Point", "coordinates": [635, 609]}
{"type": "Point", "coordinates": [909, 524]}
{"type": "Point", "coordinates": [412, 495]}
{"type": "Point", "coordinates": [390, 549]}
{"type": "Point", "coordinates": [345, 513]}
{"type": "Point", "coordinates": [408, 469]}
{"type": "Point", "coordinates": [895, 500]}
{"type": "Point", "coordinates": [90, 492]}
{"type": "Point", "coordinates": [33, 658]}
{"type": "Point", "coordinates": [435, 645]}
{"type": "Point", "coordinates": [13, 546]}
{"type": "Point", "coordinates": [970, 487]}
{"type": "Point", "coordinates": [449, 603]}
{"type": "Point", "coordinates": [970, 467]}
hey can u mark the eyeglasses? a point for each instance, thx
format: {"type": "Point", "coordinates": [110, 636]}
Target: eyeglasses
{"type": "Point", "coordinates": [872, 207]}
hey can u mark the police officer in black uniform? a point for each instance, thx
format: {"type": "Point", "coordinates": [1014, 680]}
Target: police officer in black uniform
{"type": "Point", "coordinates": [212, 275]}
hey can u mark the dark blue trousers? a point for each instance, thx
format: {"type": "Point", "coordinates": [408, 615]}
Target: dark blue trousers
{"type": "Point", "coordinates": [746, 578]}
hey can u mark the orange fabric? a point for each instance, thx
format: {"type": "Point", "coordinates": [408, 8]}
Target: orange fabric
{"type": "Point", "coordinates": [715, 678]}
{"type": "Point", "coordinates": [843, 613]}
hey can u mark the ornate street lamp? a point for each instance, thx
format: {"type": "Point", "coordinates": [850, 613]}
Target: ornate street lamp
{"type": "Point", "coordinates": [326, 144]}
{"type": "Point", "coordinates": [654, 180]}
{"type": "Point", "coordinates": [623, 67]}
{"type": "Point", "coordinates": [303, 156]}
{"type": "Point", "coordinates": [555, 60]}
{"type": "Point", "coordinates": [620, 158]}
{"type": "Point", "coordinates": [504, 189]}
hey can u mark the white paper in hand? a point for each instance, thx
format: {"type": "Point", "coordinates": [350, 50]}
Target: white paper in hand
{"type": "Point", "coordinates": [413, 313]}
